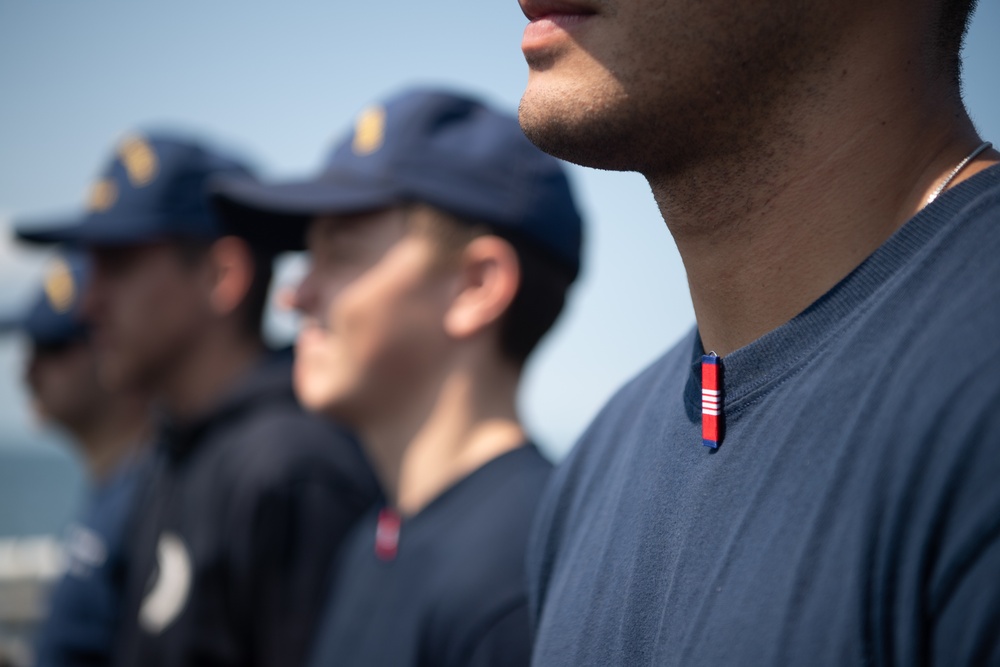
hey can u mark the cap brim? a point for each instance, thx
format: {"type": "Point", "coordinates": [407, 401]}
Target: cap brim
{"type": "Point", "coordinates": [90, 232]}
{"type": "Point", "coordinates": [48, 232]}
{"type": "Point", "coordinates": [276, 216]}
{"type": "Point", "coordinates": [45, 333]}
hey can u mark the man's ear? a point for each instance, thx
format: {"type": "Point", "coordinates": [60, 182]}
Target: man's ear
{"type": "Point", "coordinates": [489, 276]}
{"type": "Point", "coordinates": [232, 262]}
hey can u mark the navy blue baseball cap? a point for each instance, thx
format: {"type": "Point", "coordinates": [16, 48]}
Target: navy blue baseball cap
{"type": "Point", "coordinates": [430, 146]}
{"type": "Point", "coordinates": [153, 188]}
{"type": "Point", "coordinates": [54, 317]}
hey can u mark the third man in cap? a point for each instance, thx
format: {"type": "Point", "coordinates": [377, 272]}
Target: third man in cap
{"type": "Point", "coordinates": [442, 244]}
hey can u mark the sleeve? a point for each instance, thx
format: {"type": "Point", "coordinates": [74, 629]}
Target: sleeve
{"type": "Point", "coordinates": [506, 643]}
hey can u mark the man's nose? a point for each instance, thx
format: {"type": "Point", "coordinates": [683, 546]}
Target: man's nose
{"type": "Point", "coordinates": [93, 294]}
{"type": "Point", "coordinates": [303, 297]}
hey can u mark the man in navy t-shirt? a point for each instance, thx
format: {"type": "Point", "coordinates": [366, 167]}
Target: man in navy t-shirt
{"type": "Point", "coordinates": [441, 246]}
{"type": "Point", "coordinates": [108, 429]}
{"type": "Point", "coordinates": [810, 477]}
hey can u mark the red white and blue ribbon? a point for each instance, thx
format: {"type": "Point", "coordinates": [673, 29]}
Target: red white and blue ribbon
{"type": "Point", "coordinates": [711, 400]}
{"type": "Point", "coordinates": [387, 534]}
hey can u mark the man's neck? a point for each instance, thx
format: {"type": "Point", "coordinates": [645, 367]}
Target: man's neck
{"type": "Point", "coordinates": [765, 233]}
{"type": "Point", "coordinates": [114, 436]}
{"type": "Point", "coordinates": [210, 368]}
{"type": "Point", "coordinates": [472, 420]}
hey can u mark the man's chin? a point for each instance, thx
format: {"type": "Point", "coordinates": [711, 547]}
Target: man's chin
{"type": "Point", "coordinates": [40, 413]}
{"type": "Point", "coordinates": [319, 399]}
{"type": "Point", "coordinates": [545, 123]}
{"type": "Point", "coordinates": [311, 402]}
{"type": "Point", "coordinates": [117, 377]}
{"type": "Point", "coordinates": [571, 124]}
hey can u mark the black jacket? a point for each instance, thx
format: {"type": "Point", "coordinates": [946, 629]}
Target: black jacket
{"type": "Point", "coordinates": [231, 543]}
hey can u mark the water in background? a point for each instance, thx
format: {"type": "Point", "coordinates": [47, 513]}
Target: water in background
{"type": "Point", "coordinates": [41, 484]}
{"type": "Point", "coordinates": [41, 480]}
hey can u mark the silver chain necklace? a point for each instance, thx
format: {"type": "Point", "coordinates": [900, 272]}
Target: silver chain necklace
{"type": "Point", "coordinates": [985, 146]}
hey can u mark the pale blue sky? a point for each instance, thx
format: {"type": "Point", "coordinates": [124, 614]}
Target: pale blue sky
{"type": "Point", "coordinates": [277, 81]}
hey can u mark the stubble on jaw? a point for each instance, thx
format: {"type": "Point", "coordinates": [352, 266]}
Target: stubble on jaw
{"type": "Point", "coordinates": [581, 121]}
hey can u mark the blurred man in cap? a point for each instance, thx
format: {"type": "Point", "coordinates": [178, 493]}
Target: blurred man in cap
{"type": "Point", "coordinates": [109, 429]}
{"type": "Point", "coordinates": [249, 497]}
{"type": "Point", "coordinates": [809, 477]}
{"type": "Point", "coordinates": [442, 245]}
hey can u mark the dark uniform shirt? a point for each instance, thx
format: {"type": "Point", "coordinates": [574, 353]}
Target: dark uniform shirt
{"type": "Point", "coordinates": [451, 592]}
{"type": "Point", "coordinates": [851, 514]}
{"type": "Point", "coordinates": [231, 547]}
{"type": "Point", "coordinates": [85, 604]}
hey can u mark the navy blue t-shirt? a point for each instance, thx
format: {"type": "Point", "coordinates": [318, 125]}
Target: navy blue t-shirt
{"type": "Point", "coordinates": [85, 604]}
{"type": "Point", "coordinates": [851, 514]}
{"type": "Point", "coordinates": [452, 591]}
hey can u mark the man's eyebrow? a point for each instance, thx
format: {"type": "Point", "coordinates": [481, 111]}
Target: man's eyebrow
{"type": "Point", "coordinates": [338, 226]}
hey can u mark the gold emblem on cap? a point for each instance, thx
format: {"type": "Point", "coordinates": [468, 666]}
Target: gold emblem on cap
{"type": "Point", "coordinates": [140, 161]}
{"type": "Point", "coordinates": [103, 196]}
{"type": "Point", "coordinates": [369, 131]}
{"type": "Point", "coordinates": [59, 286]}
